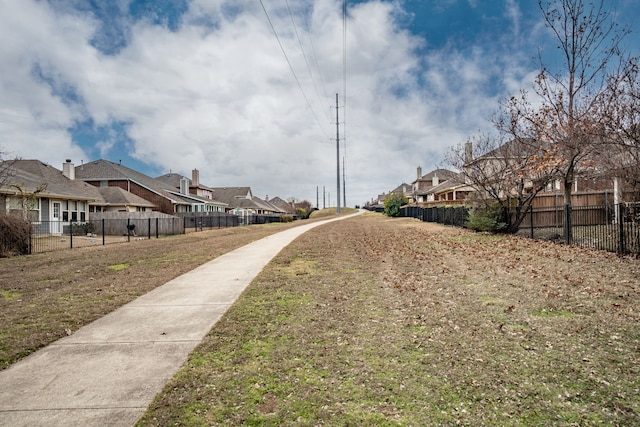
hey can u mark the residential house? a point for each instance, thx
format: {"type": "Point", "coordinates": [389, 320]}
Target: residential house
{"type": "Point", "coordinates": [241, 201]}
{"type": "Point", "coordinates": [451, 191]}
{"type": "Point", "coordinates": [423, 183]}
{"type": "Point", "coordinates": [103, 173]}
{"type": "Point", "coordinates": [200, 197]}
{"type": "Point", "coordinates": [286, 207]}
{"type": "Point", "coordinates": [402, 189]}
{"type": "Point", "coordinates": [49, 197]}
{"type": "Point", "coordinates": [115, 199]}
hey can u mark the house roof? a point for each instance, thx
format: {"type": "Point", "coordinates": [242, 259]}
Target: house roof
{"type": "Point", "coordinates": [450, 184]}
{"type": "Point", "coordinates": [402, 188]}
{"type": "Point", "coordinates": [172, 183]}
{"type": "Point", "coordinates": [32, 175]}
{"type": "Point", "coordinates": [442, 174]}
{"type": "Point", "coordinates": [282, 204]}
{"type": "Point", "coordinates": [268, 206]}
{"type": "Point", "coordinates": [192, 198]}
{"type": "Point", "coordinates": [99, 170]}
{"type": "Point", "coordinates": [116, 196]}
{"type": "Point", "coordinates": [173, 180]}
{"type": "Point", "coordinates": [232, 196]}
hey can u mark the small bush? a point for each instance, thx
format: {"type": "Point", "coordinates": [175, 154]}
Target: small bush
{"type": "Point", "coordinates": [302, 213]}
{"type": "Point", "coordinates": [486, 219]}
{"type": "Point", "coordinates": [393, 202]}
{"type": "Point", "coordinates": [84, 228]}
{"type": "Point", "coordinates": [14, 236]}
{"type": "Point", "coordinates": [286, 218]}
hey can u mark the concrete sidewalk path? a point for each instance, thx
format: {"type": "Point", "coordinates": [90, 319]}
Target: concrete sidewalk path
{"type": "Point", "coordinates": [108, 372]}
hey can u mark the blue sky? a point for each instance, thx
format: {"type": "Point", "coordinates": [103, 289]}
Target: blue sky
{"type": "Point", "coordinates": [181, 84]}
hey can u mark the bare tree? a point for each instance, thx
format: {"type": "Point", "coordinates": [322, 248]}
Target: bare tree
{"type": "Point", "coordinates": [503, 174]}
{"type": "Point", "coordinates": [5, 168]}
{"type": "Point", "coordinates": [620, 125]}
{"type": "Point", "coordinates": [564, 121]}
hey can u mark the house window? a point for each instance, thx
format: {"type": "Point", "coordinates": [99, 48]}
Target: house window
{"type": "Point", "coordinates": [34, 210]}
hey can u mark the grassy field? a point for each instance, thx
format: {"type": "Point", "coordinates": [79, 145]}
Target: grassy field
{"type": "Point", "coordinates": [394, 322]}
{"type": "Point", "coordinates": [46, 296]}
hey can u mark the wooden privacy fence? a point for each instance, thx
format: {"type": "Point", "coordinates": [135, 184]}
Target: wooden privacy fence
{"type": "Point", "coordinates": [614, 228]}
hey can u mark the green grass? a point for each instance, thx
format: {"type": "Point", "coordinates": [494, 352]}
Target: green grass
{"type": "Point", "coordinates": [118, 267]}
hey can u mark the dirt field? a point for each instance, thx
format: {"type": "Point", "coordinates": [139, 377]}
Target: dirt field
{"type": "Point", "coordinates": [369, 321]}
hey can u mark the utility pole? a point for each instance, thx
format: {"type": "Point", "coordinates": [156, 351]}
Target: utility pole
{"type": "Point", "coordinates": [324, 198]}
{"type": "Point", "coordinates": [344, 183]}
{"type": "Point", "coordinates": [337, 156]}
{"type": "Point", "coordinates": [317, 197]}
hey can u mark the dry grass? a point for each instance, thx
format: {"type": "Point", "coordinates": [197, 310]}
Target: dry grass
{"type": "Point", "coordinates": [48, 295]}
{"type": "Point", "coordinates": [373, 321]}
{"type": "Point", "coordinates": [368, 321]}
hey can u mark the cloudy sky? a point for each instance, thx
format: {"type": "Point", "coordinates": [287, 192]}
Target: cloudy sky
{"type": "Point", "coordinates": [181, 84]}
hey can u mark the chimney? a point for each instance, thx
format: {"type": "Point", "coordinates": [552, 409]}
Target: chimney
{"type": "Point", "coordinates": [195, 178]}
{"type": "Point", "coordinates": [419, 172]}
{"type": "Point", "coordinates": [69, 170]}
{"type": "Point", "coordinates": [435, 181]}
{"type": "Point", "coordinates": [468, 152]}
{"type": "Point", "coordinates": [184, 186]}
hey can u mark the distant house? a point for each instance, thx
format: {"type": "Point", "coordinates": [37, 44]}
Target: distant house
{"type": "Point", "coordinates": [103, 173]}
{"type": "Point", "coordinates": [241, 201]}
{"type": "Point", "coordinates": [423, 183]}
{"type": "Point", "coordinates": [200, 197]}
{"type": "Point", "coordinates": [451, 191]}
{"type": "Point", "coordinates": [286, 207]}
{"type": "Point", "coordinates": [115, 199]}
{"type": "Point", "coordinates": [46, 195]}
{"type": "Point", "coordinates": [403, 189]}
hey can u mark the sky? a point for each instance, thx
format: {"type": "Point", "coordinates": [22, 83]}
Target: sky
{"type": "Point", "coordinates": [245, 90]}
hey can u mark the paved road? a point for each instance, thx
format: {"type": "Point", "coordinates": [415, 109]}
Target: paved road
{"type": "Point", "coordinates": [107, 373]}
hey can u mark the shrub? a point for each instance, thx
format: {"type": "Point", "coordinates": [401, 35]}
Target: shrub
{"type": "Point", "coordinates": [14, 236]}
{"type": "Point", "coordinates": [83, 229]}
{"type": "Point", "coordinates": [393, 202]}
{"type": "Point", "coordinates": [489, 218]}
{"type": "Point", "coordinates": [286, 218]}
{"type": "Point", "coordinates": [302, 213]}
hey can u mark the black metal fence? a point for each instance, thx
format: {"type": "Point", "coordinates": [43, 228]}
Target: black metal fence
{"type": "Point", "coordinates": [57, 235]}
{"type": "Point", "coordinates": [450, 215]}
{"type": "Point", "coordinates": [614, 228]}
{"type": "Point", "coordinates": [210, 222]}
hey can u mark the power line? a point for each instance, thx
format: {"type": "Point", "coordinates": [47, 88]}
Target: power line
{"type": "Point", "coordinates": [313, 51]}
{"type": "Point", "coordinates": [304, 55]}
{"type": "Point", "coordinates": [292, 70]}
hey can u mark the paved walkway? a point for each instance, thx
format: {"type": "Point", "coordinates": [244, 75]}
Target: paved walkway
{"type": "Point", "coordinates": [107, 373]}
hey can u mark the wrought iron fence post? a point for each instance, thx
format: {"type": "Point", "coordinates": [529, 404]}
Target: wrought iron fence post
{"type": "Point", "coordinates": [128, 230]}
{"type": "Point", "coordinates": [103, 233]}
{"type": "Point", "coordinates": [157, 231]}
{"type": "Point", "coordinates": [531, 220]}
{"type": "Point", "coordinates": [567, 224]}
{"type": "Point", "coordinates": [621, 240]}
{"type": "Point", "coordinates": [71, 234]}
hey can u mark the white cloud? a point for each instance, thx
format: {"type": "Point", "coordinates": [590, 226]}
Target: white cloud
{"type": "Point", "coordinates": [218, 95]}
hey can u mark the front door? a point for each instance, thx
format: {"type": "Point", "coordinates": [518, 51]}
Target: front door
{"type": "Point", "coordinates": [56, 224]}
